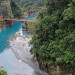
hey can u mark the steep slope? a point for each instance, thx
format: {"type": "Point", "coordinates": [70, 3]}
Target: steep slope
{"type": "Point", "coordinates": [5, 9]}
{"type": "Point", "coordinates": [8, 9]}
{"type": "Point", "coordinates": [16, 10]}
{"type": "Point", "coordinates": [30, 4]}
{"type": "Point", "coordinates": [6, 12]}
{"type": "Point", "coordinates": [53, 42]}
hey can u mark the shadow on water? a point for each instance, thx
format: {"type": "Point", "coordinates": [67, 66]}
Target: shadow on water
{"type": "Point", "coordinates": [6, 33]}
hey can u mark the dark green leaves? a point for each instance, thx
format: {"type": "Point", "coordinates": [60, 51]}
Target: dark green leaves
{"type": "Point", "coordinates": [57, 34]}
{"type": "Point", "coordinates": [2, 72]}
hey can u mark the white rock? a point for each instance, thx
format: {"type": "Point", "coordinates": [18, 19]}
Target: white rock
{"type": "Point", "coordinates": [20, 61]}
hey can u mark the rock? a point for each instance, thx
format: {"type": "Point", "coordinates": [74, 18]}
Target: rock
{"type": "Point", "coordinates": [20, 61]}
{"type": "Point", "coordinates": [1, 66]}
{"type": "Point", "coordinates": [17, 33]}
{"type": "Point", "coordinates": [26, 38]}
{"type": "Point", "coordinates": [24, 44]}
{"type": "Point", "coordinates": [0, 30]}
{"type": "Point", "coordinates": [24, 26]}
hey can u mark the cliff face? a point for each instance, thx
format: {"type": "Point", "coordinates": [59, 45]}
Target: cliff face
{"type": "Point", "coordinates": [5, 9]}
{"type": "Point", "coordinates": [3, 12]}
{"type": "Point", "coordinates": [6, 12]}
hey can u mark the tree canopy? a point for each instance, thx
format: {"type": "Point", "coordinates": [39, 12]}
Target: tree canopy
{"type": "Point", "coordinates": [54, 38]}
{"type": "Point", "coordinates": [16, 10]}
{"type": "Point", "coordinates": [30, 4]}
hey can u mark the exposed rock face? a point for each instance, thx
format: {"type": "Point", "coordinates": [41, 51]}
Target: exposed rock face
{"type": "Point", "coordinates": [20, 47]}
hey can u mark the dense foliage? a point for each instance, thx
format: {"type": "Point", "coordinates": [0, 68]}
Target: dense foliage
{"type": "Point", "coordinates": [5, 9]}
{"type": "Point", "coordinates": [2, 72]}
{"type": "Point", "coordinates": [54, 38]}
{"type": "Point", "coordinates": [30, 4]}
{"type": "Point", "coordinates": [16, 10]}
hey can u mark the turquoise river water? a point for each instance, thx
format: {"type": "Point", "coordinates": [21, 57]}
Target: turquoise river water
{"type": "Point", "coordinates": [7, 57]}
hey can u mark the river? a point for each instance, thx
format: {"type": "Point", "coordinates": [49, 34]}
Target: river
{"type": "Point", "coordinates": [7, 58]}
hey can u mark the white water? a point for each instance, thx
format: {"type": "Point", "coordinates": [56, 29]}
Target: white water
{"type": "Point", "coordinates": [21, 32]}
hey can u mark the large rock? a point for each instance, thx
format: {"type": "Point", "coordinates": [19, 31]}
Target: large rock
{"type": "Point", "coordinates": [24, 26]}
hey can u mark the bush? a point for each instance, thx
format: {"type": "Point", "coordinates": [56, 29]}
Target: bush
{"type": "Point", "coordinates": [56, 35]}
{"type": "Point", "coordinates": [2, 72]}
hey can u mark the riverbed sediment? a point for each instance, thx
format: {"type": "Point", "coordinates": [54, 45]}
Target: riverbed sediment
{"type": "Point", "coordinates": [21, 49]}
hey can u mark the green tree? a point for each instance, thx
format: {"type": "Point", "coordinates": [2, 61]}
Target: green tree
{"type": "Point", "coordinates": [54, 38]}
{"type": "Point", "coordinates": [30, 4]}
{"type": "Point", "coordinates": [16, 10]}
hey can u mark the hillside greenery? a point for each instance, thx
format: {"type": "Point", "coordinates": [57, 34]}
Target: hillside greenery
{"type": "Point", "coordinates": [30, 25]}
{"type": "Point", "coordinates": [30, 4]}
{"type": "Point", "coordinates": [54, 38]}
{"type": "Point", "coordinates": [16, 10]}
{"type": "Point", "coordinates": [7, 11]}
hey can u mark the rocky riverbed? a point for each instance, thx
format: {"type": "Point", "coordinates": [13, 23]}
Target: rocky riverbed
{"type": "Point", "coordinates": [21, 49]}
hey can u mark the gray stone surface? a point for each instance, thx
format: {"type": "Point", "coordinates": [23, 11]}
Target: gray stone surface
{"type": "Point", "coordinates": [21, 49]}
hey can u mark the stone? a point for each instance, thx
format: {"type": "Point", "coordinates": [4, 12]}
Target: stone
{"type": "Point", "coordinates": [20, 61]}
{"type": "Point", "coordinates": [1, 66]}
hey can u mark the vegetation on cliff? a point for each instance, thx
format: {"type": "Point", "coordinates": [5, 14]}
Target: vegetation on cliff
{"type": "Point", "coordinates": [5, 9]}
{"type": "Point", "coordinates": [54, 38]}
{"type": "Point", "coordinates": [9, 9]}
{"type": "Point", "coordinates": [16, 10]}
{"type": "Point", "coordinates": [30, 4]}
{"type": "Point", "coordinates": [2, 24]}
{"type": "Point", "coordinates": [31, 25]}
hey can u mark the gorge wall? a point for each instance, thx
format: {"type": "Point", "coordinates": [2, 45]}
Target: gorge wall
{"type": "Point", "coordinates": [6, 12]}
{"type": "Point", "coordinates": [5, 9]}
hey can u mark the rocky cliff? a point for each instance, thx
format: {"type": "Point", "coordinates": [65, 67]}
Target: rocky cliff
{"type": "Point", "coordinates": [5, 9]}
{"type": "Point", "coordinates": [6, 12]}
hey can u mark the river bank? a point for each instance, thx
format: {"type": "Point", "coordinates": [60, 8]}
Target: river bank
{"type": "Point", "coordinates": [4, 25]}
{"type": "Point", "coordinates": [21, 49]}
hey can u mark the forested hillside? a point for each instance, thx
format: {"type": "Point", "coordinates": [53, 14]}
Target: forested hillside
{"type": "Point", "coordinates": [5, 11]}
{"type": "Point", "coordinates": [54, 38]}
{"type": "Point", "coordinates": [9, 9]}
{"type": "Point", "coordinates": [16, 9]}
{"type": "Point", "coordinates": [30, 4]}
